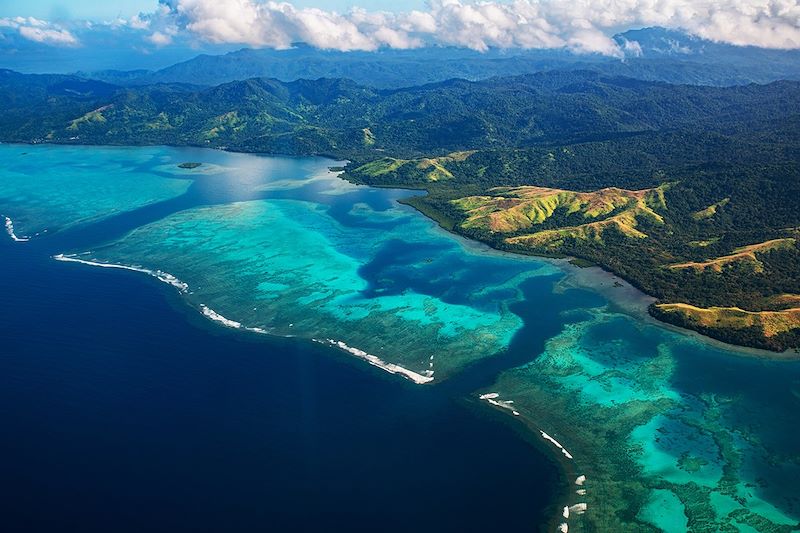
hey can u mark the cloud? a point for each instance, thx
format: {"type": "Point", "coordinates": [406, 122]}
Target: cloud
{"type": "Point", "coordinates": [159, 39]}
{"type": "Point", "coordinates": [48, 36]}
{"type": "Point", "coordinates": [280, 24]}
{"type": "Point", "coordinates": [40, 31]}
{"type": "Point", "coordinates": [631, 48]}
{"type": "Point", "coordinates": [583, 26]}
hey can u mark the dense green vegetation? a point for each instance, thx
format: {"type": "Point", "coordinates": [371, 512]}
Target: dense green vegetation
{"type": "Point", "coordinates": [727, 161]}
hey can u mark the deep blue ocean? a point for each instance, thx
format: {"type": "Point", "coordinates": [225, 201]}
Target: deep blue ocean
{"type": "Point", "coordinates": [125, 410]}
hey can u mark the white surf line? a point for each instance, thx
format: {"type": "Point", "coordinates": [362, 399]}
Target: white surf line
{"type": "Point", "coordinates": [165, 277]}
{"type": "Point", "coordinates": [10, 231]}
{"type": "Point", "coordinates": [216, 317]}
{"type": "Point", "coordinates": [227, 322]}
{"type": "Point", "coordinates": [169, 279]}
{"type": "Point", "coordinates": [371, 359]}
{"type": "Point", "coordinates": [374, 360]}
{"type": "Point", "coordinates": [491, 397]}
{"type": "Point", "coordinates": [578, 508]}
{"type": "Point", "coordinates": [429, 372]}
{"type": "Point", "coordinates": [557, 444]}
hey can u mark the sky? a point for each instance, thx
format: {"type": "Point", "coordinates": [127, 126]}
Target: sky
{"type": "Point", "coordinates": [168, 28]}
{"type": "Point", "coordinates": [82, 9]}
{"type": "Point", "coordinates": [107, 10]}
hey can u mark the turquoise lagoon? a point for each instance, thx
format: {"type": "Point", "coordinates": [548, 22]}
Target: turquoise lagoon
{"type": "Point", "coordinates": [397, 288]}
{"type": "Point", "coordinates": [671, 433]}
{"type": "Point", "coordinates": [46, 190]}
{"type": "Point", "coordinates": [663, 431]}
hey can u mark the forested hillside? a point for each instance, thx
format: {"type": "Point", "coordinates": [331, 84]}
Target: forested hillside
{"type": "Point", "coordinates": [683, 190]}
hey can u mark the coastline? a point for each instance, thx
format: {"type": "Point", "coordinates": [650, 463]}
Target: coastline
{"type": "Point", "coordinates": [630, 299]}
{"type": "Point", "coordinates": [619, 293]}
{"type": "Point", "coordinates": [787, 355]}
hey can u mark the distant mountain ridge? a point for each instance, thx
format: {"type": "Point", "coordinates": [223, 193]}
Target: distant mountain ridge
{"type": "Point", "coordinates": [654, 54]}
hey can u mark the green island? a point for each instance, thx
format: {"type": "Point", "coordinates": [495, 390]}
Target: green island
{"type": "Point", "coordinates": [189, 165]}
{"type": "Point", "coordinates": [691, 193]}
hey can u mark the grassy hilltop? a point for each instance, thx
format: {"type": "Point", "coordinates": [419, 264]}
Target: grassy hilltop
{"type": "Point", "coordinates": [691, 193]}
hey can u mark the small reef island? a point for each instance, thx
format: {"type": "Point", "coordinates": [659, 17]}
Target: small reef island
{"type": "Point", "coordinates": [687, 196]}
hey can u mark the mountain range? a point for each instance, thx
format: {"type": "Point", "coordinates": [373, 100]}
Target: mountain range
{"type": "Point", "coordinates": [654, 54]}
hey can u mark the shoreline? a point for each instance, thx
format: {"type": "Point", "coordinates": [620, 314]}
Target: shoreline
{"type": "Point", "coordinates": [635, 303]}
{"type": "Point", "coordinates": [787, 355]}
{"type": "Point", "coordinates": [595, 281]}
{"type": "Point", "coordinates": [629, 299]}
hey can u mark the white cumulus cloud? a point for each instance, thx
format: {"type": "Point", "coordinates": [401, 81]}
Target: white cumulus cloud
{"type": "Point", "coordinates": [40, 31]}
{"type": "Point", "coordinates": [583, 26]}
{"type": "Point", "coordinates": [159, 38]}
{"type": "Point", "coordinates": [580, 25]}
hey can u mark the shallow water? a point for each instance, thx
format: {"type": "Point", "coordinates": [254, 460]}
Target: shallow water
{"type": "Point", "coordinates": [395, 290]}
{"type": "Point", "coordinates": [39, 192]}
{"type": "Point", "coordinates": [130, 411]}
{"type": "Point", "coordinates": [670, 432]}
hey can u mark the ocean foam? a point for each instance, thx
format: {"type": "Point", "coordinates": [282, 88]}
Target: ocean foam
{"type": "Point", "coordinates": [169, 279]}
{"type": "Point", "coordinates": [165, 277]}
{"type": "Point", "coordinates": [429, 372]}
{"type": "Point", "coordinates": [216, 317]}
{"type": "Point", "coordinates": [563, 528]}
{"type": "Point", "coordinates": [374, 360]}
{"type": "Point", "coordinates": [10, 231]}
{"type": "Point", "coordinates": [556, 444]}
{"type": "Point", "coordinates": [491, 397]}
{"type": "Point", "coordinates": [578, 508]}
